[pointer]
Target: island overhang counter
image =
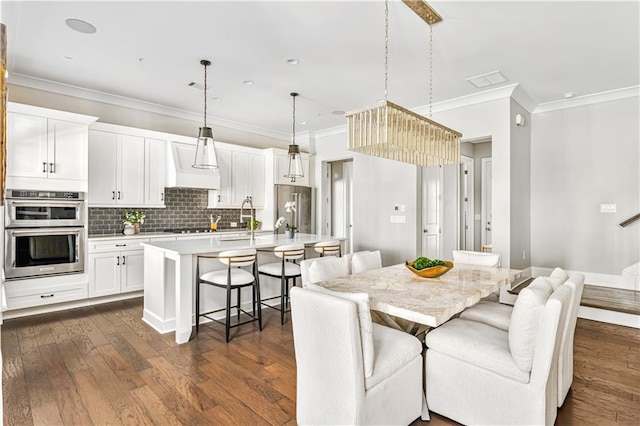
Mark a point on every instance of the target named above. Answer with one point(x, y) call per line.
point(169, 275)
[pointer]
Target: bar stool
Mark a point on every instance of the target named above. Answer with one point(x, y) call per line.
point(231, 278)
point(285, 270)
point(328, 248)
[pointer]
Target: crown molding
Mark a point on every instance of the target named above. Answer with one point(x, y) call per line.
point(595, 98)
point(467, 100)
point(122, 101)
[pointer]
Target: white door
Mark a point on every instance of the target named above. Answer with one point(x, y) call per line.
point(154, 156)
point(486, 201)
point(102, 167)
point(432, 178)
point(347, 175)
point(130, 160)
point(67, 150)
point(27, 146)
point(466, 203)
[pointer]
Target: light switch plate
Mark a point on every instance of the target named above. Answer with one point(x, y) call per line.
point(398, 219)
point(608, 208)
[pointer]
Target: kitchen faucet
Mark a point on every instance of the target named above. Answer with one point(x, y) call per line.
point(251, 218)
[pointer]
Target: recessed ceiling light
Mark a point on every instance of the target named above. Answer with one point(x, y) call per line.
point(293, 61)
point(69, 58)
point(380, 101)
point(80, 26)
point(216, 99)
point(569, 95)
point(302, 122)
point(337, 112)
point(248, 82)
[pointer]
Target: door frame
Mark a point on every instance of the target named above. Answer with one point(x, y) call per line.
point(470, 210)
point(484, 207)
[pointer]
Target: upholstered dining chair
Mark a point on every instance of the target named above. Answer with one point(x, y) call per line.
point(361, 262)
point(501, 377)
point(234, 277)
point(286, 269)
point(349, 370)
point(323, 269)
point(499, 315)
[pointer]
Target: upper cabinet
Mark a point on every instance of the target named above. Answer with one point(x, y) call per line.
point(116, 169)
point(46, 149)
point(125, 168)
point(242, 175)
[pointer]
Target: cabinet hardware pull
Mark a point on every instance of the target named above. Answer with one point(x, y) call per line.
point(44, 296)
point(218, 198)
point(162, 196)
point(52, 168)
point(118, 264)
point(44, 167)
point(113, 195)
point(123, 260)
point(121, 245)
point(118, 195)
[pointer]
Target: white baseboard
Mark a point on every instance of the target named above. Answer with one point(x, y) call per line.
point(611, 317)
point(70, 305)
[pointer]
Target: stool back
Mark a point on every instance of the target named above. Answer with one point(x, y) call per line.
point(289, 251)
point(238, 258)
point(328, 248)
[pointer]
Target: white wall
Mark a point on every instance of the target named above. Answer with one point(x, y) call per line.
point(520, 188)
point(582, 157)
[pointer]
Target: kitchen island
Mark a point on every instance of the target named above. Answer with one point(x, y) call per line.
point(169, 276)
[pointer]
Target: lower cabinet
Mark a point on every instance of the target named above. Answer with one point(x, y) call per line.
point(116, 266)
point(115, 272)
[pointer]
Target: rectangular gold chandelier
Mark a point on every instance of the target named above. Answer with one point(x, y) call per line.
point(390, 131)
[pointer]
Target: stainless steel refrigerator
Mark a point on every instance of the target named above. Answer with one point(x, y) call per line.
point(301, 218)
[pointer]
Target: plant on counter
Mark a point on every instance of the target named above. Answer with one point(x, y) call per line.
point(253, 224)
point(283, 222)
point(131, 217)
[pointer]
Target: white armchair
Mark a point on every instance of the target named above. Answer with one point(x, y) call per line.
point(479, 374)
point(323, 269)
point(332, 384)
point(364, 261)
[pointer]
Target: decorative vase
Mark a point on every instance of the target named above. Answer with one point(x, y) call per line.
point(129, 229)
point(136, 227)
point(289, 233)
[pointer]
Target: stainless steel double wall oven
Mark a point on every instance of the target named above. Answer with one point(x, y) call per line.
point(44, 233)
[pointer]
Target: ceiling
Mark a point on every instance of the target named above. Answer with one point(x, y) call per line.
point(150, 51)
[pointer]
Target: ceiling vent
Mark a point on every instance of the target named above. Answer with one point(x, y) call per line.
point(488, 79)
point(198, 86)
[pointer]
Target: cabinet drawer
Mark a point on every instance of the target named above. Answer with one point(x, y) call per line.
point(116, 245)
point(45, 296)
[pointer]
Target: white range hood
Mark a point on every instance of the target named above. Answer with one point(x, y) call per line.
point(180, 174)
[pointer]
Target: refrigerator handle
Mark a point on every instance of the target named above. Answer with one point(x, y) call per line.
point(296, 199)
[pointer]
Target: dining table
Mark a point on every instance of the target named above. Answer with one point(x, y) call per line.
point(414, 304)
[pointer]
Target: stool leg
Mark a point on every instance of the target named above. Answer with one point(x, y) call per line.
point(282, 298)
point(239, 290)
point(197, 304)
point(258, 300)
point(228, 314)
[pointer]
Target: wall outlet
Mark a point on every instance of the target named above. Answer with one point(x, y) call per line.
point(398, 219)
point(608, 208)
point(234, 224)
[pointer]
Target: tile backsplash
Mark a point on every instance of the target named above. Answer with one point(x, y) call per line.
point(185, 208)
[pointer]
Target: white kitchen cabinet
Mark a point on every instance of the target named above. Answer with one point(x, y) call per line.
point(154, 172)
point(41, 147)
point(116, 169)
point(241, 176)
point(281, 168)
point(115, 266)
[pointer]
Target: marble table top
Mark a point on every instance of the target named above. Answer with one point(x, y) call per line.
point(396, 291)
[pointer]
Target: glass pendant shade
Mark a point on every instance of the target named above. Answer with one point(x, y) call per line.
point(206, 157)
point(295, 163)
point(295, 169)
point(205, 150)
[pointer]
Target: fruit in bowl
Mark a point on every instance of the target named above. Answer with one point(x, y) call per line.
point(429, 268)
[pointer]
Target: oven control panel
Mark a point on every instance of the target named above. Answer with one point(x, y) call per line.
point(47, 195)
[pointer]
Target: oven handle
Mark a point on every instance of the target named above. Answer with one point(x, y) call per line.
point(44, 231)
point(38, 203)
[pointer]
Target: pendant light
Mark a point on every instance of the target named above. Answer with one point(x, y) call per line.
point(390, 131)
point(295, 161)
point(205, 150)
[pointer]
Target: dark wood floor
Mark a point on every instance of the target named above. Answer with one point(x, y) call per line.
point(102, 365)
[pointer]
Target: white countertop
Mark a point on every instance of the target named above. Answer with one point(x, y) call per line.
point(218, 234)
point(216, 244)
